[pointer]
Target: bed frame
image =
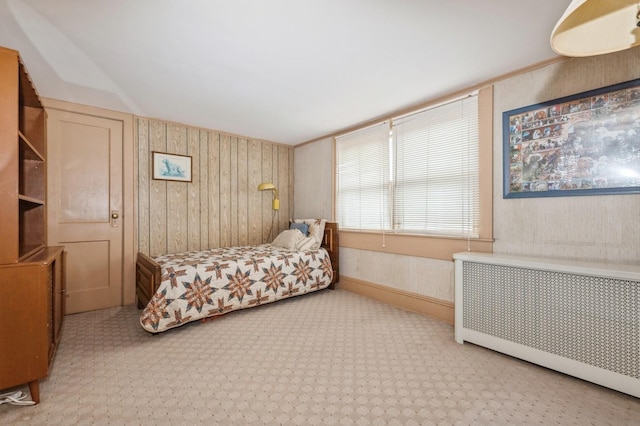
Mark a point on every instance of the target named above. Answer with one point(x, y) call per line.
point(148, 271)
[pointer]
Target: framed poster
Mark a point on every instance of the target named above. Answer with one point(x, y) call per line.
point(171, 166)
point(584, 144)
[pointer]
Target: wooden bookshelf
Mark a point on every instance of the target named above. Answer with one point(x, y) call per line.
point(32, 281)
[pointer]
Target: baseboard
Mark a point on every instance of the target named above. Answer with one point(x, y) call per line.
point(429, 306)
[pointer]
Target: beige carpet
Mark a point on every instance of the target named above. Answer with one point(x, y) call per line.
point(331, 358)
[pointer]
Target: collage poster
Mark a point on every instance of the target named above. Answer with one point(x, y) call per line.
point(580, 145)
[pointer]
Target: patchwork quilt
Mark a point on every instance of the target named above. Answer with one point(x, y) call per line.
point(203, 284)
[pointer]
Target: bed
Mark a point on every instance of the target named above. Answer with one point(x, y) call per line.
point(176, 289)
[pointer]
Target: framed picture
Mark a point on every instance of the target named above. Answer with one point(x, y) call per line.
point(585, 144)
point(171, 167)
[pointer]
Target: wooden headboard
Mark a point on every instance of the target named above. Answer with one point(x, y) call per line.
point(330, 242)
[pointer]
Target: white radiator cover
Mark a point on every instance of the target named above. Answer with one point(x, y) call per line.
point(581, 319)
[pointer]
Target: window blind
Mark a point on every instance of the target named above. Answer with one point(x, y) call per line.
point(363, 175)
point(436, 187)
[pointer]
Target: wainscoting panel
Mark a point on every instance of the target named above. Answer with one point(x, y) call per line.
point(222, 205)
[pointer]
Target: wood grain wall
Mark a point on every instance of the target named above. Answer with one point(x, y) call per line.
point(222, 205)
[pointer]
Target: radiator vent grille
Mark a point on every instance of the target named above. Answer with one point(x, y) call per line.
point(591, 319)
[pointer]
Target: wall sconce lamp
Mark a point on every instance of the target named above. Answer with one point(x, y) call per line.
point(270, 186)
point(596, 27)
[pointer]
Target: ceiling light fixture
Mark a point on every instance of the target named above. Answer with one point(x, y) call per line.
point(596, 27)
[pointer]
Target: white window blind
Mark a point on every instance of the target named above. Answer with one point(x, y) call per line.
point(436, 189)
point(363, 176)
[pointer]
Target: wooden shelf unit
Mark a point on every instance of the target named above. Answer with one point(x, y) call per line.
point(23, 171)
point(32, 283)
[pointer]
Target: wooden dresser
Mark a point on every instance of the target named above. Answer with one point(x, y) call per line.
point(31, 274)
point(31, 312)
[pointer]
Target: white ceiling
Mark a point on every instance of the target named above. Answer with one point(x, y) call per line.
point(286, 71)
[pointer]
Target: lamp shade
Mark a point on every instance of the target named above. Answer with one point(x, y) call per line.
point(595, 27)
point(270, 186)
point(265, 186)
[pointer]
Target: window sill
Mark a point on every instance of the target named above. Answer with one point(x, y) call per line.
point(433, 247)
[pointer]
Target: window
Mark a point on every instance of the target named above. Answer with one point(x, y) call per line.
point(416, 174)
point(363, 179)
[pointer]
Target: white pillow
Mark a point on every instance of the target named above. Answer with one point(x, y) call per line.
point(288, 239)
point(316, 229)
point(305, 243)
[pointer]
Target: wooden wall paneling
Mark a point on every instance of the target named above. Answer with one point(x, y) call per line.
point(222, 205)
point(157, 193)
point(275, 221)
point(144, 176)
point(224, 195)
point(243, 192)
point(233, 189)
point(193, 192)
point(254, 205)
point(267, 196)
point(283, 187)
point(177, 220)
point(291, 184)
point(203, 176)
point(214, 190)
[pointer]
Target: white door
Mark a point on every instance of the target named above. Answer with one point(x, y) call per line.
point(84, 206)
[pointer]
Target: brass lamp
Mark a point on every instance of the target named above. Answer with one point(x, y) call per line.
point(269, 186)
point(596, 27)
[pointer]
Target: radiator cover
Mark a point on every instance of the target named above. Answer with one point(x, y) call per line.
point(578, 318)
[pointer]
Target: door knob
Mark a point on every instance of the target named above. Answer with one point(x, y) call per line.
point(114, 215)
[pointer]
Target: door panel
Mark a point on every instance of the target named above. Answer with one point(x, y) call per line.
point(85, 201)
point(84, 174)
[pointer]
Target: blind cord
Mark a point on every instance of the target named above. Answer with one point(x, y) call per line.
point(469, 192)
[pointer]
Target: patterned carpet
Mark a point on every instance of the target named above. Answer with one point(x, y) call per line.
point(328, 358)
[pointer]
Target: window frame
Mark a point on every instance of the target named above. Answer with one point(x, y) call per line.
point(440, 246)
